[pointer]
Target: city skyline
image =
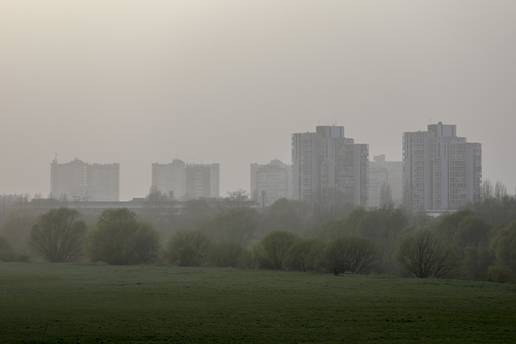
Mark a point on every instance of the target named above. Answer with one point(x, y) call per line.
point(441, 171)
point(128, 178)
point(335, 130)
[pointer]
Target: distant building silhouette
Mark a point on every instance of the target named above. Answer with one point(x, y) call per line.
point(7, 202)
point(79, 181)
point(270, 182)
point(202, 181)
point(186, 181)
point(384, 176)
point(329, 170)
point(440, 170)
point(170, 179)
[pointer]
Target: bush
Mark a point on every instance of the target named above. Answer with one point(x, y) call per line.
point(305, 255)
point(17, 228)
point(237, 225)
point(188, 248)
point(475, 263)
point(472, 232)
point(274, 249)
point(424, 255)
point(258, 258)
point(500, 274)
point(59, 236)
point(355, 255)
point(226, 254)
point(504, 247)
point(121, 240)
point(6, 252)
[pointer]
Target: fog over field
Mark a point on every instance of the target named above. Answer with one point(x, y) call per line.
point(229, 81)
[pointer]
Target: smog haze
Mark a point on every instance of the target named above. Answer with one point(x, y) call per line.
point(229, 81)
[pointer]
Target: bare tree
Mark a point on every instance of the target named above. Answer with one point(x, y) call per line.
point(59, 235)
point(355, 255)
point(487, 190)
point(157, 196)
point(500, 191)
point(276, 246)
point(237, 198)
point(238, 195)
point(424, 255)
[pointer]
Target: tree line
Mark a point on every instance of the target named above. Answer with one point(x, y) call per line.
point(477, 243)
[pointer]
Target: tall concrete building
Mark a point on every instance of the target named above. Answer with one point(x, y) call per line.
point(186, 181)
point(79, 181)
point(329, 170)
point(170, 179)
point(441, 171)
point(270, 182)
point(202, 181)
point(385, 182)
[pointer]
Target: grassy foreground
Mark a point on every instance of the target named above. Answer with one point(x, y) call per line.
point(102, 304)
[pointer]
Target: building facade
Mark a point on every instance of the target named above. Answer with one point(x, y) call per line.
point(170, 179)
point(328, 169)
point(80, 181)
point(385, 182)
point(202, 181)
point(182, 181)
point(270, 182)
point(441, 171)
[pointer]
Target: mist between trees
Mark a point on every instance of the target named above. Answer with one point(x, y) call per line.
point(477, 243)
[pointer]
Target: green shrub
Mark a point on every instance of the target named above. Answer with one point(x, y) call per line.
point(275, 248)
point(500, 274)
point(188, 248)
point(305, 255)
point(504, 247)
point(352, 254)
point(6, 252)
point(121, 240)
point(59, 235)
point(226, 254)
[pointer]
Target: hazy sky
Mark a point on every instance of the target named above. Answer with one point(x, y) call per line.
point(229, 80)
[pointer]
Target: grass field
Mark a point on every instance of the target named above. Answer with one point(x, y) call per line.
point(102, 304)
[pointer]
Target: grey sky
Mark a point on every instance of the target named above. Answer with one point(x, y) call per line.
point(229, 80)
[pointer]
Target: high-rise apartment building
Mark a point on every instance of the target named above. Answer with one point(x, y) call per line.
point(384, 182)
point(79, 181)
point(441, 171)
point(270, 182)
point(170, 179)
point(183, 181)
point(202, 181)
point(329, 170)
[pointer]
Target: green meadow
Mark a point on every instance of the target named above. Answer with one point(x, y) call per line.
point(70, 303)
